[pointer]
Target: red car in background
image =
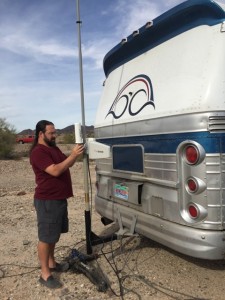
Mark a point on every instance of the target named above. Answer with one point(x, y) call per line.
point(25, 139)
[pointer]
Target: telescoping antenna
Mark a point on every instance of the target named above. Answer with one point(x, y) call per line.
point(78, 261)
point(85, 157)
point(98, 150)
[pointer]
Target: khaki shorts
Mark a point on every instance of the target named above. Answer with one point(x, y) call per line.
point(52, 218)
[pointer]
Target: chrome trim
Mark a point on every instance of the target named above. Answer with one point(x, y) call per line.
point(216, 123)
point(212, 122)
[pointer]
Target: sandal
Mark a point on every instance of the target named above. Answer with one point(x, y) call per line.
point(51, 282)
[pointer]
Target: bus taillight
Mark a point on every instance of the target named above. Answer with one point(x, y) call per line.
point(192, 185)
point(193, 211)
point(191, 154)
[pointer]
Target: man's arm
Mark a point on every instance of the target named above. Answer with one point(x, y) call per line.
point(57, 169)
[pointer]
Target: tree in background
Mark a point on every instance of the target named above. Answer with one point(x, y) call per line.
point(7, 139)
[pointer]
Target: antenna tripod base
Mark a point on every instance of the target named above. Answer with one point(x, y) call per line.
point(86, 264)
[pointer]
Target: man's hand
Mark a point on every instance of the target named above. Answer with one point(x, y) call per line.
point(77, 150)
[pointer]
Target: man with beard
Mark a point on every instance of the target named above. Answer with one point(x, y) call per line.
point(54, 186)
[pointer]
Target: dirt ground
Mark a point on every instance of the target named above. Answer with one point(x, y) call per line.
point(132, 268)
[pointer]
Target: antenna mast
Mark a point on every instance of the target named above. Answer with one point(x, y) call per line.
point(85, 156)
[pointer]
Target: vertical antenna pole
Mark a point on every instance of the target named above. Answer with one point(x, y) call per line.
point(85, 157)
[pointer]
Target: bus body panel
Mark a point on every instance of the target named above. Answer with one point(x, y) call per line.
point(162, 112)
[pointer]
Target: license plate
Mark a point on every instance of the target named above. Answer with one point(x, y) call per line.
point(121, 191)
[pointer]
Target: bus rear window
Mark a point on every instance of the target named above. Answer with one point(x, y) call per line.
point(128, 158)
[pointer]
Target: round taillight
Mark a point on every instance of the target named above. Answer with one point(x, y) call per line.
point(191, 154)
point(192, 185)
point(193, 211)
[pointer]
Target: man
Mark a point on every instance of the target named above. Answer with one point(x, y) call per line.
point(54, 186)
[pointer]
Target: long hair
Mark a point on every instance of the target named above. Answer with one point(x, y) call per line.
point(41, 126)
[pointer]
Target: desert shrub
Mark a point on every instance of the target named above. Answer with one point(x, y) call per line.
point(7, 139)
point(68, 138)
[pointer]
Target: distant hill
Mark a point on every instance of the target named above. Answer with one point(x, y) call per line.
point(66, 130)
point(70, 129)
point(26, 132)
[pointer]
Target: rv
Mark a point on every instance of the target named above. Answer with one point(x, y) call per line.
point(162, 114)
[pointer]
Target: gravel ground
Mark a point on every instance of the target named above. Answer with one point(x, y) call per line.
point(133, 267)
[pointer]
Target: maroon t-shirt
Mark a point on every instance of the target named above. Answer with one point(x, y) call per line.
point(50, 187)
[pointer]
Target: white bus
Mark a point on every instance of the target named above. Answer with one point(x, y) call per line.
point(162, 112)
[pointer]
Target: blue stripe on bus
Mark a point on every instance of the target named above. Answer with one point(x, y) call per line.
point(168, 143)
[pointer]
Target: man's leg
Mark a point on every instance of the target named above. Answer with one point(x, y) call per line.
point(51, 260)
point(46, 278)
point(43, 254)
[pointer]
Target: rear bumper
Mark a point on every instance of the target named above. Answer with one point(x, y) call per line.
point(205, 244)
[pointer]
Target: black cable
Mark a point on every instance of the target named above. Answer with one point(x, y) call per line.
point(159, 288)
point(16, 265)
point(114, 269)
point(127, 257)
point(156, 288)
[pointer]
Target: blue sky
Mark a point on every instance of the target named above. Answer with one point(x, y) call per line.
point(39, 64)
